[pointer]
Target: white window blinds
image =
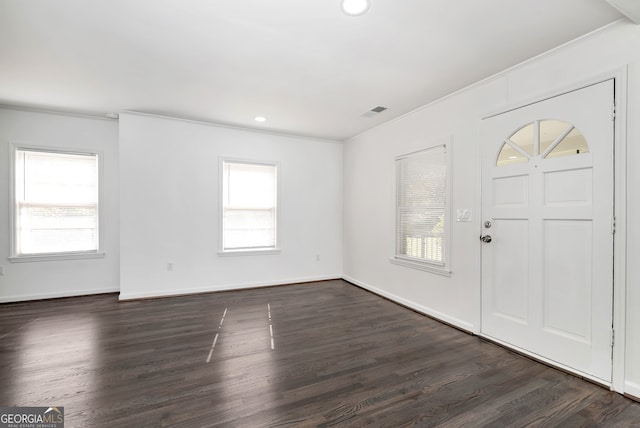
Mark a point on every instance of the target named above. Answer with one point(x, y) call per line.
point(249, 198)
point(421, 205)
point(56, 202)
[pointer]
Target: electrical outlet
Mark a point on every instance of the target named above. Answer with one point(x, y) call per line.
point(169, 266)
point(317, 257)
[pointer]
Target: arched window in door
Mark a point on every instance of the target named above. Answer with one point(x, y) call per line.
point(549, 138)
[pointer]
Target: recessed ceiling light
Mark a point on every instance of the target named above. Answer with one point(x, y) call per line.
point(354, 7)
point(260, 119)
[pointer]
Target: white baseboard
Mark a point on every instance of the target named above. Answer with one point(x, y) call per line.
point(463, 325)
point(224, 287)
point(632, 388)
point(57, 294)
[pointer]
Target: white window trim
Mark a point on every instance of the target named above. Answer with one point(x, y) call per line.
point(420, 265)
point(424, 265)
point(247, 251)
point(256, 252)
point(69, 255)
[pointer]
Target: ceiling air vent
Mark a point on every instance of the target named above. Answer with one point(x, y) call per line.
point(374, 111)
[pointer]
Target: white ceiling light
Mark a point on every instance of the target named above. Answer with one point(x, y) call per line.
point(355, 7)
point(260, 119)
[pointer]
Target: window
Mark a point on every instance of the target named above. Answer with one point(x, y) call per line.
point(544, 138)
point(249, 206)
point(55, 204)
point(422, 210)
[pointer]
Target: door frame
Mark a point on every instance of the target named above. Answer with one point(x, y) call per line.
point(619, 76)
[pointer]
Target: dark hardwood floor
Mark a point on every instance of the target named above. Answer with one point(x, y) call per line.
point(319, 354)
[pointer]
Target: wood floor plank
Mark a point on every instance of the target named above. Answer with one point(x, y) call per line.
point(318, 354)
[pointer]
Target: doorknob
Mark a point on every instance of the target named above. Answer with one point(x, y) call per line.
point(485, 238)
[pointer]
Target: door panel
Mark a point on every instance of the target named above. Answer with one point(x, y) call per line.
point(564, 188)
point(547, 191)
point(511, 191)
point(567, 278)
point(511, 265)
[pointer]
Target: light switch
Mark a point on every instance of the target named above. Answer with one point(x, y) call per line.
point(463, 214)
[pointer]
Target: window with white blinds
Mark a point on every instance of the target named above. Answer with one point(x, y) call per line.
point(55, 203)
point(249, 206)
point(422, 211)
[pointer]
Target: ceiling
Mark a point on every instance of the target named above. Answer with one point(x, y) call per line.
point(307, 67)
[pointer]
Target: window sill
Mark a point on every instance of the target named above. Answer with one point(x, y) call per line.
point(258, 252)
point(52, 257)
point(427, 267)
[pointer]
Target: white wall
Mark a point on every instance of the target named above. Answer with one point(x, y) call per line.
point(369, 207)
point(170, 208)
point(369, 181)
point(45, 279)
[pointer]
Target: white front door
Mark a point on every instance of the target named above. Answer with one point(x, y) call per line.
point(547, 210)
